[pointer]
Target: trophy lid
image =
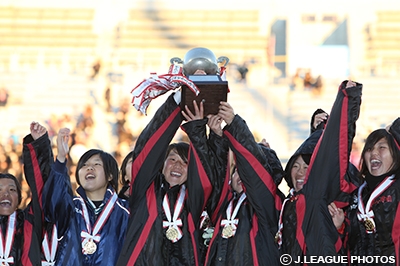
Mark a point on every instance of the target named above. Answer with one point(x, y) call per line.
point(200, 59)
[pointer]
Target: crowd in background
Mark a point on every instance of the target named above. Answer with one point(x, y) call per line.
point(82, 128)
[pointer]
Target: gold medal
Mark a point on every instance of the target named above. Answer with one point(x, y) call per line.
point(90, 247)
point(227, 231)
point(369, 225)
point(172, 233)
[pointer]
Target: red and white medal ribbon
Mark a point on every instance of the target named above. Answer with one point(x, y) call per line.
point(278, 236)
point(5, 258)
point(157, 85)
point(90, 235)
point(230, 215)
point(366, 213)
point(50, 248)
point(173, 221)
point(204, 216)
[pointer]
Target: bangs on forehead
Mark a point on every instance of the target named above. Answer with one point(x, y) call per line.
point(95, 158)
point(9, 183)
point(181, 148)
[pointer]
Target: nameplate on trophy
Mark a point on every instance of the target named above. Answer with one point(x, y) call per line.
point(213, 90)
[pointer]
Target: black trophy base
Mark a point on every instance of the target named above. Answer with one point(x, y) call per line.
point(212, 91)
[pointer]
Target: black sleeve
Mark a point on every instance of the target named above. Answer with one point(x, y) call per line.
point(37, 161)
point(151, 147)
point(255, 171)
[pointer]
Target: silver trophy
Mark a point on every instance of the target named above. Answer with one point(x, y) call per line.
point(212, 88)
point(201, 59)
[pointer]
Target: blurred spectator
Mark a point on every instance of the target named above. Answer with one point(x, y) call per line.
point(308, 81)
point(317, 86)
point(303, 80)
point(243, 70)
point(85, 120)
point(96, 68)
point(124, 133)
point(3, 96)
point(297, 81)
point(107, 98)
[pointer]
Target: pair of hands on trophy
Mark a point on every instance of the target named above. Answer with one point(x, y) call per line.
point(225, 113)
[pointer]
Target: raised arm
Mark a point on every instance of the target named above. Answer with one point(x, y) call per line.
point(152, 144)
point(202, 166)
point(254, 167)
point(57, 193)
point(328, 170)
point(37, 158)
point(328, 176)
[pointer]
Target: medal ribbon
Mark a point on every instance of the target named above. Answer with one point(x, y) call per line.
point(94, 236)
point(204, 216)
point(50, 252)
point(366, 213)
point(174, 222)
point(280, 222)
point(230, 216)
point(5, 258)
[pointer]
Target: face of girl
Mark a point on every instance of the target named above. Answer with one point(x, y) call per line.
point(8, 196)
point(93, 179)
point(175, 169)
point(236, 182)
point(298, 173)
point(378, 159)
point(128, 175)
point(128, 170)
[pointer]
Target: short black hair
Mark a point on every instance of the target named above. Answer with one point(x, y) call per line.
point(17, 184)
point(109, 163)
point(182, 148)
point(371, 140)
point(129, 156)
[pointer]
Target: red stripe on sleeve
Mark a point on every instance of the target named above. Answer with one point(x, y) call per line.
point(253, 234)
point(259, 168)
point(152, 207)
point(224, 195)
point(300, 211)
point(205, 181)
point(192, 229)
point(25, 260)
point(138, 162)
point(37, 173)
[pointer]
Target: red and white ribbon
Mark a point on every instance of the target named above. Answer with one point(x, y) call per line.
point(157, 85)
point(5, 258)
point(50, 247)
point(90, 235)
point(231, 215)
point(204, 216)
point(280, 222)
point(173, 220)
point(366, 213)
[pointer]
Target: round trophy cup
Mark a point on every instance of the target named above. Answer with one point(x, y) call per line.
point(200, 59)
point(212, 88)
